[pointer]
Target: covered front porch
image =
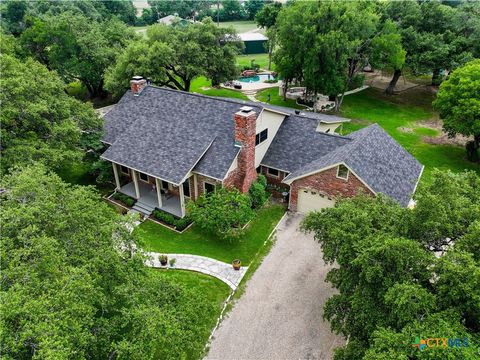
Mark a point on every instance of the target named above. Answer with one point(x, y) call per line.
point(152, 192)
point(148, 195)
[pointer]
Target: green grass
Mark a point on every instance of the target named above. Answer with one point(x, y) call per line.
point(276, 99)
point(240, 26)
point(424, 131)
point(214, 290)
point(394, 113)
point(260, 59)
point(202, 82)
point(194, 241)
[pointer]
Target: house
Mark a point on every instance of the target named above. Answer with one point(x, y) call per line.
point(173, 20)
point(255, 43)
point(169, 146)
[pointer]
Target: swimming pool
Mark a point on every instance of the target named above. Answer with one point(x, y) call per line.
point(256, 78)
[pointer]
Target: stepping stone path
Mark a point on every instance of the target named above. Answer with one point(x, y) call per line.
point(205, 265)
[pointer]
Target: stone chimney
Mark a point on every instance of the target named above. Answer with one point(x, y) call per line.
point(137, 84)
point(245, 130)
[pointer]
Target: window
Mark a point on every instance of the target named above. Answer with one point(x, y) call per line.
point(164, 185)
point(124, 170)
point(261, 136)
point(143, 177)
point(186, 188)
point(342, 172)
point(209, 188)
point(272, 172)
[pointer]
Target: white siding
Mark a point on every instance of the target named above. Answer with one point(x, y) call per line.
point(271, 121)
point(323, 127)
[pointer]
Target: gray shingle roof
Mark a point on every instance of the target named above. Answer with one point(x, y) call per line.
point(297, 144)
point(377, 159)
point(165, 133)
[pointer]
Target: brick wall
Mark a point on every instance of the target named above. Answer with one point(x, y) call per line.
point(327, 183)
point(245, 130)
point(200, 180)
point(275, 181)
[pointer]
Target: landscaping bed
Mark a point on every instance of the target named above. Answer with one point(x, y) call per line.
point(171, 221)
point(194, 241)
point(122, 199)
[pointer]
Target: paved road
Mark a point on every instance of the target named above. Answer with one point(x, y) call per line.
point(280, 314)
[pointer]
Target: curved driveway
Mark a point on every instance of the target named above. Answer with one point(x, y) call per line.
point(280, 314)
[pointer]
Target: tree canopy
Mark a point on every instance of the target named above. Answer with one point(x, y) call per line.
point(76, 47)
point(17, 13)
point(391, 287)
point(223, 212)
point(324, 44)
point(435, 36)
point(40, 122)
point(174, 56)
point(458, 102)
point(73, 288)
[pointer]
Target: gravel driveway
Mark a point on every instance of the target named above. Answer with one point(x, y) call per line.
point(280, 314)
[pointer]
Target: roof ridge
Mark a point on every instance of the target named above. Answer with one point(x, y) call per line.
point(229, 100)
point(259, 104)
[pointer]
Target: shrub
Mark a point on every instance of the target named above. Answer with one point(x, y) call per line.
point(169, 219)
point(181, 224)
point(125, 199)
point(271, 81)
point(223, 212)
point(257, 192)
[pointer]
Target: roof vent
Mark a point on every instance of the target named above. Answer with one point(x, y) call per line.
point(246, 109)
point(297, 112)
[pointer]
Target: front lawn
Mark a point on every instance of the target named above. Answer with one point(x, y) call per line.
point(276, 99)
point(202, 85)
point(195, 241)
point(213, 291)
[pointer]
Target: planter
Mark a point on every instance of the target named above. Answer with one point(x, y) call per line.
point(163, 260)
point(237, 264)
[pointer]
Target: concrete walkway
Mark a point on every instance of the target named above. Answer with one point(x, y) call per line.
point(205, 265)
point(280, 314)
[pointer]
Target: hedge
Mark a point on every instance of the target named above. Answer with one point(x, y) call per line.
point(169, 219)
point(127, 200)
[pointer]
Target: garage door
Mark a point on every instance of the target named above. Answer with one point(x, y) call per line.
point(310, 200)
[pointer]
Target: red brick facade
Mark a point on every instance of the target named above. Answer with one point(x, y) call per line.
point(328, 183)
point(200, 184)
point(245, 173)
point(276, 186)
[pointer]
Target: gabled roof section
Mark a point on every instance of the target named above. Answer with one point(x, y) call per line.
point(297, 144)
point(382, 163)
point(167, 133)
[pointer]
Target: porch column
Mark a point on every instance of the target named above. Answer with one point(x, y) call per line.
point(117, 178)
point(182, 199)
point(135, 182)
point(159, 192)
point(195, 189)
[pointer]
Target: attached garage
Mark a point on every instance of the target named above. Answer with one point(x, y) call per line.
point(311, 200)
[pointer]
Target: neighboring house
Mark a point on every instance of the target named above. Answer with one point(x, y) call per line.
point(255, 43)
point(168, 146)
point(170, 20)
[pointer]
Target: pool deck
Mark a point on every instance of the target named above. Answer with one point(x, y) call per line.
point(254, 86)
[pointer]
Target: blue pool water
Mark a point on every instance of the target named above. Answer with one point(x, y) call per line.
point(257, 78)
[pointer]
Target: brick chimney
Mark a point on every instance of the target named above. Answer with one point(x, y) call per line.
point(137, 84)
point(245, 129)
